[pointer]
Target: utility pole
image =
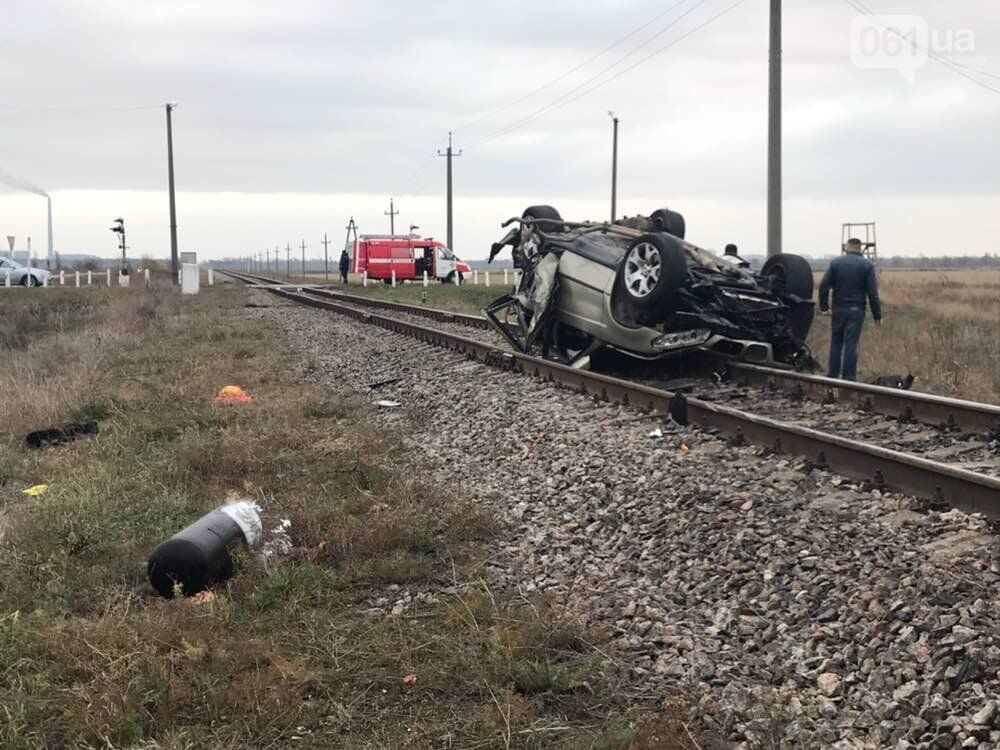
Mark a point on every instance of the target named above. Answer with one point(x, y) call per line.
point(288, 260)
point(351, 227)
point(303, 259)
point(326, 257)
point(614, 166)
point(267, 259)
point(392, 214)
point(449, 154)
point(170, 187)
point(774, 197)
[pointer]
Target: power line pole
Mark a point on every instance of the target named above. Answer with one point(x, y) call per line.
point(267, 260)
point(303, 259)
point(288, 260)
point(352, 227)
point(449, 154)
point(392, 214)
point(170, 186)
point(774, 197)
point(326, 257)
point(614, 167)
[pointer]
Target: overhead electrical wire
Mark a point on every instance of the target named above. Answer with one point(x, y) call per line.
point(621, 40)
point(574, 69)
point(576, 93)
point(555, 103)
point(72, 110)
point(962, 70)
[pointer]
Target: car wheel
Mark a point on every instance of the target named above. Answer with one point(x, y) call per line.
point(545, 212)
point(651, 273)
point(791, 275)
point(29, 280)
point(669, 221)
point(450, 278)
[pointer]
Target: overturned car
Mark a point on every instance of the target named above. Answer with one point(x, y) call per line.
point(636, 286)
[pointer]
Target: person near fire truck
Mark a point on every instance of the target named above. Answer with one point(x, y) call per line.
point(345, 265)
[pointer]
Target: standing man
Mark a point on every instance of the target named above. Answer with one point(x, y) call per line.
point(345, 265)
point(852, 279)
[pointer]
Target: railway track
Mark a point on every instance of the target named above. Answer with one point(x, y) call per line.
point(925, 408)
point(880, 467)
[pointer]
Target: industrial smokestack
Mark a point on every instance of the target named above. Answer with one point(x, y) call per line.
point(19, 184)
point(48, 260)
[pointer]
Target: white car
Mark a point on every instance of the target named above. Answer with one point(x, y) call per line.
point(20, 274)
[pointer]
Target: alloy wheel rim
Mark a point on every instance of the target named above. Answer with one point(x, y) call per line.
point(642, 269)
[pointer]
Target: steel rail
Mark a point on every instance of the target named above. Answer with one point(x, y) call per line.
point(880, 467)
point(952, 413)
point(926, 408)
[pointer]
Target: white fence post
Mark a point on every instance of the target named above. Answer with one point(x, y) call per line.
point(475, 277)
point(393, 278)
point(486, 277)
point(364, 279)
point(7, 280)
point(78, 279)
point(505, 277)
point(108, 272)
point(456, 274)
point(211, 278)
point(146, 275)
point(62, 278)
point(90, 277)
point(425, 278)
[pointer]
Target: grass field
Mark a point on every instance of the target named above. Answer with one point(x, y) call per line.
point(289, 652)
point(941, 326)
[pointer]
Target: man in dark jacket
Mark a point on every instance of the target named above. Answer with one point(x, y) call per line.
point(852, 279)
point(345, 265)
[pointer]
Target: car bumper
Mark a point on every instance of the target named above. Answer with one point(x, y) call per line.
point(755, 352)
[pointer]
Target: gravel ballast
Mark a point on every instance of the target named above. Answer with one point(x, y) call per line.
point(790, 606)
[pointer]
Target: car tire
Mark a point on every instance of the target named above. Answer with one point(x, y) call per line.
point(450, 278)
point(669, 221)
point(791, 275)
point(29, 281)
point(545, 212)
point(651, 273)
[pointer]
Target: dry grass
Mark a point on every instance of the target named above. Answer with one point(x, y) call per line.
point(289, 652)
point(941, 326)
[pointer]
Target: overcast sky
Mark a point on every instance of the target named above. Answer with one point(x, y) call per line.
point(295, 115)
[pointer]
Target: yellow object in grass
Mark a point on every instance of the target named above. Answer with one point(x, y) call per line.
point(37, 490)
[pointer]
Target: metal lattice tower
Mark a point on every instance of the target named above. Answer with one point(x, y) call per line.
point(864, 231)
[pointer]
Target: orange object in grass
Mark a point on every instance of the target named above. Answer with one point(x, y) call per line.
point(233, 394)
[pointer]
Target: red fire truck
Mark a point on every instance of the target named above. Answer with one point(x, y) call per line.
point(408, 255)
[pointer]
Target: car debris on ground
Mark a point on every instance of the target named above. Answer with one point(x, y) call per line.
point(233, 394)
point(200, 555)
point(60, 435)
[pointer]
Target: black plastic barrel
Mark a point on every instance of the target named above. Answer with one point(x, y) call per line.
point(201, 555)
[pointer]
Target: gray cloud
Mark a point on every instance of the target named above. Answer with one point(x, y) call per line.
point(353, 97)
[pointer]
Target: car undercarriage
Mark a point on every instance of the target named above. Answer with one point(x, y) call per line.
point(638, 287)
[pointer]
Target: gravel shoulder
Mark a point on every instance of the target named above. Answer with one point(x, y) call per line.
point(792, 607)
